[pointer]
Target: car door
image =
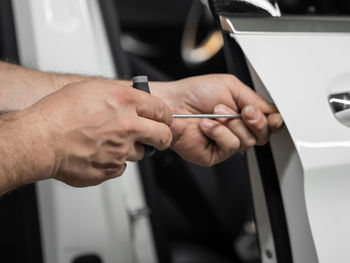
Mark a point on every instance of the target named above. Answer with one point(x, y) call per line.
point(300, 181)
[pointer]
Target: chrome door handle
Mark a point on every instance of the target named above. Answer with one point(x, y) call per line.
point(340, 105)
point(339, 102)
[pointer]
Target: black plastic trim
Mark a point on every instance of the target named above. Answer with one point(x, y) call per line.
point(121, 62)
point(237, 65)
point(152, 197)
point(274, 202)
point(8, 43)
point(111, 21)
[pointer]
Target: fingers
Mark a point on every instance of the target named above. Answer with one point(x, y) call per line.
point(137, 152)
point(252, 129)
point(153, 133)
point(109, 173)
point(236, 126)
point(243, 95)
point(151, 107)
point(104, 174)
point(92, 175)
point(260, 125)
point(275, 122)
point(226, 142)
point(256, 122)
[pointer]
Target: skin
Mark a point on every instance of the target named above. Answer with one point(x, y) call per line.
point(54, 138)
point(207, 142)
point(82, 130)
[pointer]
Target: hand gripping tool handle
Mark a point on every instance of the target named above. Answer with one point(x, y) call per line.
point(141, 83)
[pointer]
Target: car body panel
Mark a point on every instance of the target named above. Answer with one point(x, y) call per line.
point(300, 70)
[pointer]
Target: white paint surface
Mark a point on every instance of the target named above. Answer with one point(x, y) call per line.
point(300, 71)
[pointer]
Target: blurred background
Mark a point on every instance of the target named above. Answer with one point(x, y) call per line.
point(199, 215)
point(160, 27)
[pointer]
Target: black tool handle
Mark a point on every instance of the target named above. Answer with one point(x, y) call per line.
point(141, 83)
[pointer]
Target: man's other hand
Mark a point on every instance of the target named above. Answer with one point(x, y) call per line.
point(94, 127)
point(207, 142)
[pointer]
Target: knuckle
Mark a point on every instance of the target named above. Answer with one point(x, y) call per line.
point(118, 162)
point(250, 143)
point(234, 145)
point(205, 160)
point(110, 173)
point(124, 96)
point(261, 126)
point(128, 127)
point(122, 154)
point(165, 140)
point(163, 113)
point(119, 172)
point(160, 111)
point(114, 174)
point(213, 131)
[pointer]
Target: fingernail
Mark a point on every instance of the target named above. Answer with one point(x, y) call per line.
point(279, 122)
point(251, 112)
point(221, 109)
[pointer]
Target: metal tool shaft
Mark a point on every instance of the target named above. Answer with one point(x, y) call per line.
point(208, 116)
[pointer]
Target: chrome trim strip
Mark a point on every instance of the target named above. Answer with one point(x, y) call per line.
point(271, 8)
point(285, 24)
point(248, 7)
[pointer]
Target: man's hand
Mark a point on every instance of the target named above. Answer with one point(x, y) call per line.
point(207, 142)
point(90, 129)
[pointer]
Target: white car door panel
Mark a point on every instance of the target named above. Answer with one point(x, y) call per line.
point(301, 64)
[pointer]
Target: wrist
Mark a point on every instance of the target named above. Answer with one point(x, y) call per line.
point(26, 155)
point(60, 80)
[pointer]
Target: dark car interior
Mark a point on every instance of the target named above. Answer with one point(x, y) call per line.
point(198, 215)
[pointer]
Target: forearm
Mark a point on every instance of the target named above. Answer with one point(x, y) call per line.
point(21, 87)
point(24, 155)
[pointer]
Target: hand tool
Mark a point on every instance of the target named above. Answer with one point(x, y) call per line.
point(141, 83)
point(208, 116)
